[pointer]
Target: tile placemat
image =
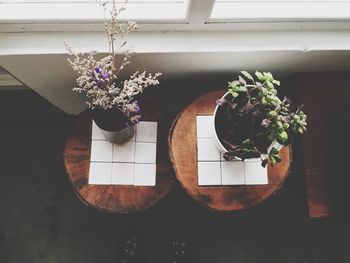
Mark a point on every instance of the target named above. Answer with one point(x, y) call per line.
point(214, 170)
point(131, 163)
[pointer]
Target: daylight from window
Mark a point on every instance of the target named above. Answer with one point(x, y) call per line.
point(173, 15)
point(280, 10)
point(85, 10)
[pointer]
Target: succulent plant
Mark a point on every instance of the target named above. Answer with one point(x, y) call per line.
point(254, 117)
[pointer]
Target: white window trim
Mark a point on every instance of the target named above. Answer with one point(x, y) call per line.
point(280, 10)
point(197, 19)
point(195, 35)
point(68, 12)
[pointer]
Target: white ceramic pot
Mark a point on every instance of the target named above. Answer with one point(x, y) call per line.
point(218, 145)
point(215, 139)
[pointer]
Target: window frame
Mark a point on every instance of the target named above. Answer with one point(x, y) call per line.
point(280, 11)
point(197, 19)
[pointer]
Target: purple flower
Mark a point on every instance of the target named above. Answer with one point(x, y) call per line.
point(136, 107)
point(99, 82)
point(105, 75)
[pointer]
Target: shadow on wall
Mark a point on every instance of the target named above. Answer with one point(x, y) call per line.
point(51, 77)
point(175, 93)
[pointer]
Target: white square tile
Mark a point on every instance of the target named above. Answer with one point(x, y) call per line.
point(123, 173)
point(100, 173)
point(206, 150)
point(145, 152)
point(145, 175)
point(232, 173)
point(124, 152)
point(204, 126)
point(146, 131)
point(209, 173)
point(255, 173)
point(101, 151)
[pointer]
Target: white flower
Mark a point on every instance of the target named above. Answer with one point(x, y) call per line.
point(98, 79)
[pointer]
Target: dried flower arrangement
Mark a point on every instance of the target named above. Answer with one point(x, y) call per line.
point(99, 79)
point(251, 118)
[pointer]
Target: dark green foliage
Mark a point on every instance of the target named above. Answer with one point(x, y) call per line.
point(255, 117)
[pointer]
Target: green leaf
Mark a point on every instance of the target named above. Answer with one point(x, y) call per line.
point(233, 93)
point(273, 160)
point(270, 85)
point(273, 156)
point(242, 89)
point(234, 84)
point(246, 142)
point(277, 82)
point(280, 126)
point(272, 114)
point(282, 137)
point(264, 101)
point(247, 75)
point(268, 76)
point(273, 151)
point(260, 76)
point(264, 91)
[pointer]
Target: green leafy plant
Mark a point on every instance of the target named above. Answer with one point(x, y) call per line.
point(251, 118)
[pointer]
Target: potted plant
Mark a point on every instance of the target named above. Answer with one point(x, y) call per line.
point(251, 121)
point(115, 109)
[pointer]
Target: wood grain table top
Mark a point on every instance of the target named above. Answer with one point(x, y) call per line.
point(116, 198)
point(183, 153)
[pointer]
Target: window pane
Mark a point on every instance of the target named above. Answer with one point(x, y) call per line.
point(89, 10)
point(280, 10)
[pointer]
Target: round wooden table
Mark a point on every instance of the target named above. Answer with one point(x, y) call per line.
point(183, 153)
point(116, 198)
